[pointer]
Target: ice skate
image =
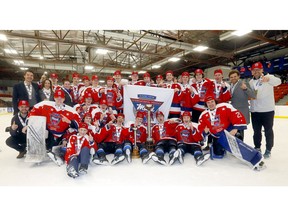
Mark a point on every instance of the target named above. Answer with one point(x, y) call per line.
point(202, 158)
point(159, 159)
point(117, 159)
point(146, 157)
point(128, 155)
point(55, 158)
point(180, 156)
point(83, 169)
point(260, 166)
point(173, 157)
point(101, 160)
point(71, 172)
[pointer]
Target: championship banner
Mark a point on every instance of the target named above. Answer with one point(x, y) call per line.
point(136, 97)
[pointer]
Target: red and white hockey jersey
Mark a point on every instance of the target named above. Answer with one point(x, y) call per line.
point(175, 105)
point(75, 144)
point(113, 133)
point(223, 117)
point(188, 135)
point(82, 109)
point(54, 116)
point(164, 131)
point(188, 98)
point(141, 134)
point(203, 88)
point(110, 95)
point(221, 94)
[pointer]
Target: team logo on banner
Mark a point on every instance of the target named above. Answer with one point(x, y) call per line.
point(143, 99)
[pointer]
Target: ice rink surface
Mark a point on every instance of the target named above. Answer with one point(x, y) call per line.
point(168, 187)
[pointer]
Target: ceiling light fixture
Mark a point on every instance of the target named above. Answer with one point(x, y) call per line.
point(101, 51)
point(88, 67)
point(141, 72)
point(3, 37)
point(174, 59)
point(23, 68)
point(134, 66)
point(240, 33)
point(200, 48)
point(156, 66)
point(10, 51)
point(101, 81)
point(18, 62)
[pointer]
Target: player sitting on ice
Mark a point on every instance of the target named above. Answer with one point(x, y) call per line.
point(79, 150)
point(188, 138)
point(223, 121)
point(141, 137)
point(163, 136)
point(111, 139)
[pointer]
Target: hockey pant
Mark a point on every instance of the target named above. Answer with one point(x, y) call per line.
point(109, 148)
point(167, 145)
point(194, 149)
point(82, 158)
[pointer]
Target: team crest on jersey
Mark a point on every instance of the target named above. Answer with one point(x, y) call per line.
point(216, 121)
point(143, 99)
point(55, 119)
point(185, 135)
point(109, 97)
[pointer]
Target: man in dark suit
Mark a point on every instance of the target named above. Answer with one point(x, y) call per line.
point(25, 90)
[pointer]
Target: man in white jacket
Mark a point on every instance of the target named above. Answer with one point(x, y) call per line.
point(263, 106)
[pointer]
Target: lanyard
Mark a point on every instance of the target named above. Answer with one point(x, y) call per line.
point(24, 123)
point(212, 114)
point(80, 141)
point(29, 90)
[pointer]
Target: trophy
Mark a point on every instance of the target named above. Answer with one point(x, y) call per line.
point(135, 152)
point(149, 141)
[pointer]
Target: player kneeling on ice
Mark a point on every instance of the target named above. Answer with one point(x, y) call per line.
point(111, 139)
point(59, 117)
point(222, 121)
point(79, 149)
point(163, 136)
point(188, 140)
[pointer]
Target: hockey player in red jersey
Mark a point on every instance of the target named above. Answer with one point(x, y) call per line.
point(59, 117)
point(103, 115)
point(175, 110)
point(221, 89)
point(204, 87)
point(188, 138)
point(223, 118)
point(85, 85)
point(163, 135)
point(87, 107)
point(79, 149)
point(111, 94)
point(141, 137)
point(111, 139)
point(189, 95)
